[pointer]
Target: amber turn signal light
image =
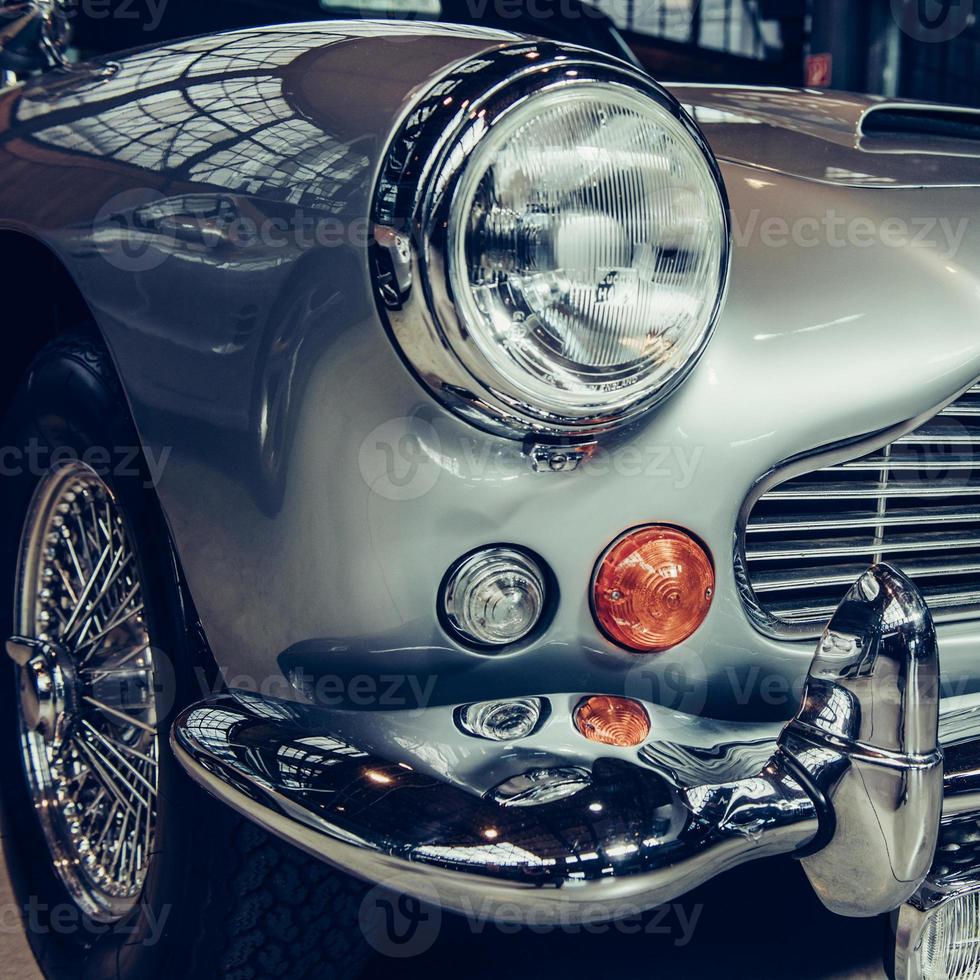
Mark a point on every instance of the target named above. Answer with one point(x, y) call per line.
point(653, 589)
point(612, 721)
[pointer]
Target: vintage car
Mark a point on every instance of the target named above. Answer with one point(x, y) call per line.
point(448, 448)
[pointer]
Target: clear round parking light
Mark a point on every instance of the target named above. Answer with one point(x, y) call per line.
point(494, 597)
point(501, 721)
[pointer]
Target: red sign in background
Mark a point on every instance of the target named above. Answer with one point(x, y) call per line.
point(819, 70)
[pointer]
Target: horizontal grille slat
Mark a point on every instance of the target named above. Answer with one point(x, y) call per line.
point(869, 491)
point(856, 520)
point(876, 465)
point(847, 574)
point(944, 439)
point(846, 547)
point(942, 432)
point(914, 503)
point(938, 601)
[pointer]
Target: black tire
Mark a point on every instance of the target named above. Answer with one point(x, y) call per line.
point(222, 898)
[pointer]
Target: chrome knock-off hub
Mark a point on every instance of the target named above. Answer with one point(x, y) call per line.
point(48, 695)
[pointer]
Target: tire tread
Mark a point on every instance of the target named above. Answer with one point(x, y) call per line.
point(275, 912)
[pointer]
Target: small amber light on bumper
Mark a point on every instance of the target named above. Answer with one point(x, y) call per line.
point(612, 721)
point(653, 589)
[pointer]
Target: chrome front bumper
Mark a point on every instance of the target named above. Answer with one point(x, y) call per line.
point(853, 786)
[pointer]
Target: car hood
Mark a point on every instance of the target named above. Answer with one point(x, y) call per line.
point(837, 137)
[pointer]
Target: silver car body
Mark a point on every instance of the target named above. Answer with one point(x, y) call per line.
point(317, 494)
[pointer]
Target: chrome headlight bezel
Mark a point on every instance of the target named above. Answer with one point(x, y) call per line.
point(413, 205)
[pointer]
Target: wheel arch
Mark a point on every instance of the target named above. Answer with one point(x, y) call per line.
point(42, 303)
point(52, 311)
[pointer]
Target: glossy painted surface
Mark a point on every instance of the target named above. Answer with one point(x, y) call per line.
point(273, 406)
point(822, 135)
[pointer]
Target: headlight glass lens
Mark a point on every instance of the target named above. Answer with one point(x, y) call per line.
point(587, 250)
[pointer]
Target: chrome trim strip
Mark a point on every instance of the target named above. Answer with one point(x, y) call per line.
point(901, 543)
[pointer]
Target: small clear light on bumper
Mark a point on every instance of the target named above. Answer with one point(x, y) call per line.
point(494, 597)
point(501, 721)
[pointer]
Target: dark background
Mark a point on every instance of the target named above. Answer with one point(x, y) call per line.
point(923, 49)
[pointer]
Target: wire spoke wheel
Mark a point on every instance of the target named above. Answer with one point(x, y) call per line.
point(88, 717)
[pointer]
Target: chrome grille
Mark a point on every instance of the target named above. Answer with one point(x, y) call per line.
point(915, 504)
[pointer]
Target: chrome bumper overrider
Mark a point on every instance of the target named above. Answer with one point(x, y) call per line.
point(854, 787)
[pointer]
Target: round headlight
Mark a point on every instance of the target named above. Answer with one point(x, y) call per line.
point(586, 247)
point(568, 231)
